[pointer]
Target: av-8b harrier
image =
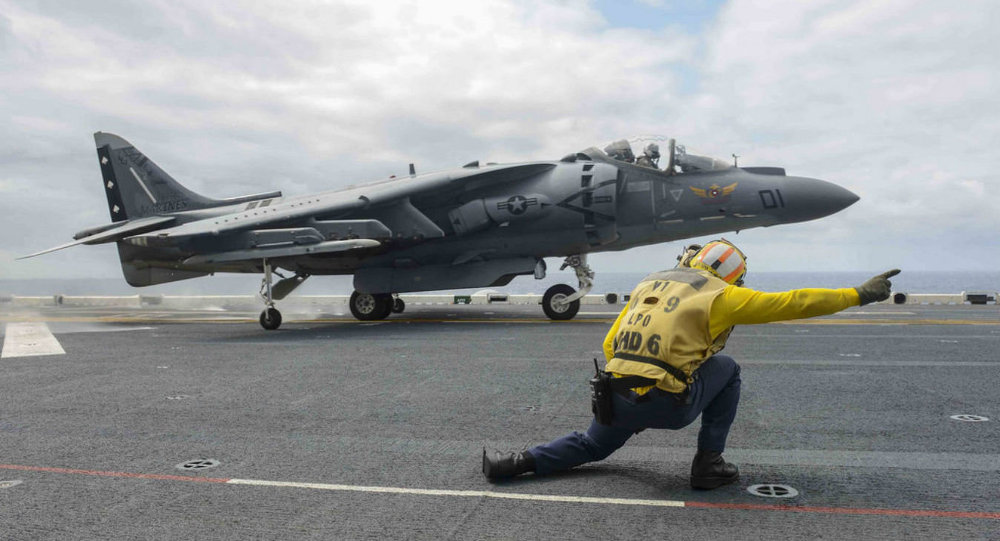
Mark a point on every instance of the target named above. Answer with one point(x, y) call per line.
point(472, 226)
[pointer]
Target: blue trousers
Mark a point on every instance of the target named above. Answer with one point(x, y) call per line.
point(714, 395)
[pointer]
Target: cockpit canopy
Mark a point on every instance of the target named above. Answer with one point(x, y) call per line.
point(660, 153)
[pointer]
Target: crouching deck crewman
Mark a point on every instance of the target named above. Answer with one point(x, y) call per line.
point(664, 367)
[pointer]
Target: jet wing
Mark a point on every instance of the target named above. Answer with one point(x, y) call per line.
point(256, 254)
point(354, 198)
point(114, 233)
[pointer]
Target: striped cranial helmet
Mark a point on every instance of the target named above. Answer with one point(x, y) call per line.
point(723, 259)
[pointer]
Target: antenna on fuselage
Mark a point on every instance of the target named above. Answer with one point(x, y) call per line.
point(736, 160)
point(413, 170)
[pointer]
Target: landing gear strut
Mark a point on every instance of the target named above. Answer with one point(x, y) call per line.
point(562, 302)
point(270, 318)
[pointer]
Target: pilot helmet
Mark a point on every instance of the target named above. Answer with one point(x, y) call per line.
point(652, 150)
point(719, 257)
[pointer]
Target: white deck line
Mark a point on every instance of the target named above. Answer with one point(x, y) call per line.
point(459, 493)
point(29, 340)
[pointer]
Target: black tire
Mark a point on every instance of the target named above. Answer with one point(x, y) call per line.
point(561, 313)
point(270, 319)
point(370, 306)
point(398, 306)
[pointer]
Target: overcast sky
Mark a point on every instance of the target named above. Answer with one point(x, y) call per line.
point(899, 101)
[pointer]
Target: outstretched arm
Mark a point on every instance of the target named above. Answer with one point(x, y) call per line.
point(742, 306)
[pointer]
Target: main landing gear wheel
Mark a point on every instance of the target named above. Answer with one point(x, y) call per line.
point(270, 319)
point(371, 306)
point(554, 303)
point(398, 306)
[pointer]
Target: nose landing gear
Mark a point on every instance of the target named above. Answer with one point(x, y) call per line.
point(554, 303)
point(561, 302)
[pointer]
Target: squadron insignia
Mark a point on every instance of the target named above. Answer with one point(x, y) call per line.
point(714, 193)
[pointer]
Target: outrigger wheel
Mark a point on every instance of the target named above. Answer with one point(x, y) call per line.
point(398, 305)
point(371, 306)
point(554, 303)
point(270, 319)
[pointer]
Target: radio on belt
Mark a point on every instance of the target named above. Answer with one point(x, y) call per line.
point(600, 396)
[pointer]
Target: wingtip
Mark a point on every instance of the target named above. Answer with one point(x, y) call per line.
point(28, 256)
point(50, 250)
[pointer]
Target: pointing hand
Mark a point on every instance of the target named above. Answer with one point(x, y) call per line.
point(876, 288)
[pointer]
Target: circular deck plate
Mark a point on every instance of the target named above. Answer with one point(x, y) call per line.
point(970, 418)
point(773, 491)
point(200, 464)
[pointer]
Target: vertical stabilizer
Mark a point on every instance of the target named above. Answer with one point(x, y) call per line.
point(136, 187)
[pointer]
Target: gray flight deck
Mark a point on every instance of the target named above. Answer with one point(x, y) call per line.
point(329, 428)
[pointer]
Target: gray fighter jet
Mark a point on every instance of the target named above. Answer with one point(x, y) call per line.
point(473, 226)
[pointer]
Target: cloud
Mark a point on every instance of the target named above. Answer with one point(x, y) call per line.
point(234, 98)
point(6, 37)
point(893, 100)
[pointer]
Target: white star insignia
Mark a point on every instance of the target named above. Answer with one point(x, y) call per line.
point(111, 184)
point(104, 160)
point(115, 209)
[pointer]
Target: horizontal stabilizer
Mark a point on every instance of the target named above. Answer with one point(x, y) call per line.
point(256, 254)
point(249, 198)
point(115, 233)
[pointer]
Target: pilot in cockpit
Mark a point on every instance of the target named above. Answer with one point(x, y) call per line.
point(650, 156)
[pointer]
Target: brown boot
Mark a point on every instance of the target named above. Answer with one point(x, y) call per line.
point(497, 465)
point(709, 470)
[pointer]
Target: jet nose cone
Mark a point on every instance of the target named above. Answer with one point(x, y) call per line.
point(817, 198)
point(835, 198)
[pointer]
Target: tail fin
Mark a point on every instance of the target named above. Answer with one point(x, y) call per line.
point(136, 187)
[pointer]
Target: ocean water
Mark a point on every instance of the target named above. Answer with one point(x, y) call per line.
point(605, 282)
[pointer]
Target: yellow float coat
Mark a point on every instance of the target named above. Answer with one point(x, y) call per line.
point(683, 316)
